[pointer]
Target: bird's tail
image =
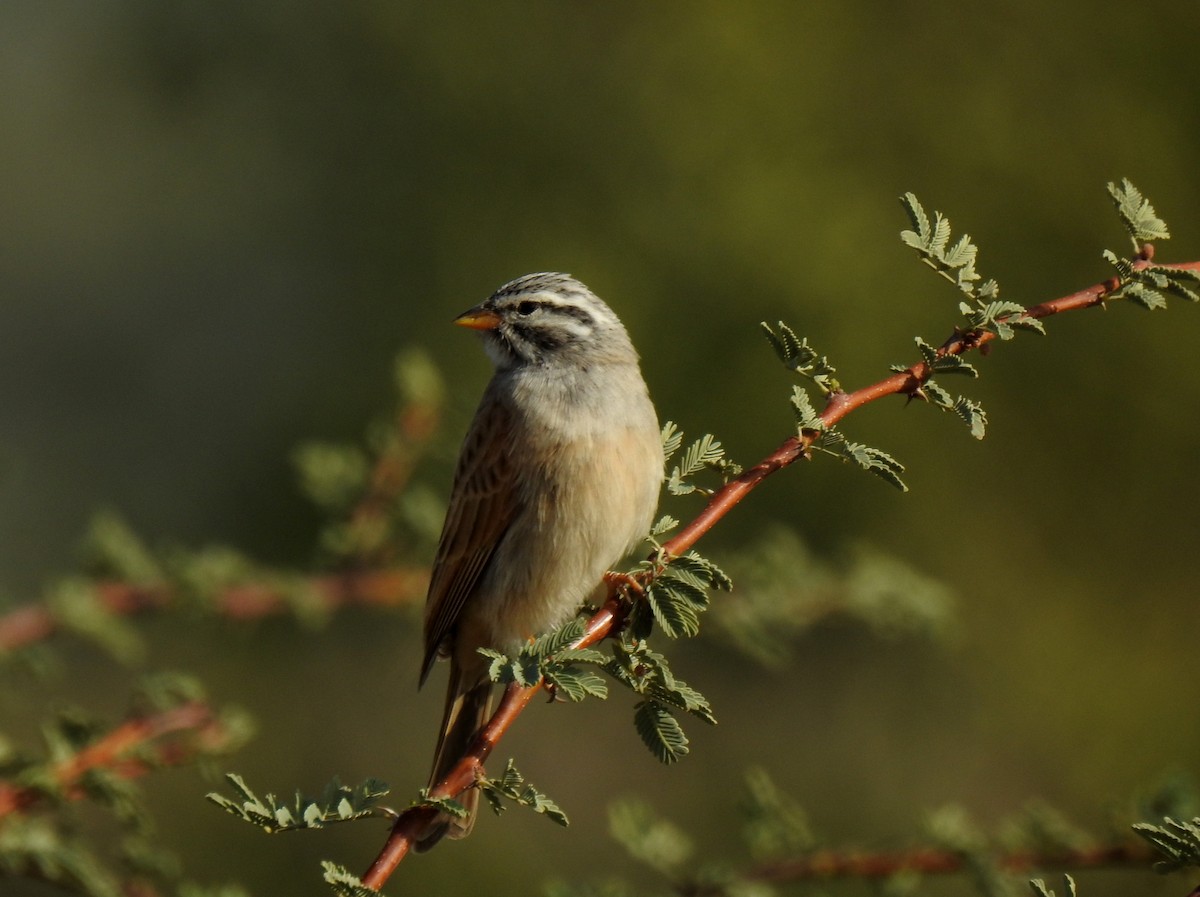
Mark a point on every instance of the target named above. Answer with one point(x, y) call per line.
point(468, 707)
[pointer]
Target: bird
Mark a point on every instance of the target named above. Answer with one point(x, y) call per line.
point(557, 480)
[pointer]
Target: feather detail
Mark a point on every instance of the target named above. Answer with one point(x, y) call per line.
point(482, 507)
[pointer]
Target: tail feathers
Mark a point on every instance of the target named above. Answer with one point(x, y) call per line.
point(468, 707)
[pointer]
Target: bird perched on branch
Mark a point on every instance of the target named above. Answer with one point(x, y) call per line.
point(557, 480)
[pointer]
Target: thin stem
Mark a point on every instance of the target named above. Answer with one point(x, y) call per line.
point(409, 436)
point(833, 865)
point(409, 824)
point(829, 864)
point(128, 751)
point(385, 587)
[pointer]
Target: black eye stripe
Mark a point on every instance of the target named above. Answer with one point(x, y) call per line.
point(527, 307)
point(538, 336)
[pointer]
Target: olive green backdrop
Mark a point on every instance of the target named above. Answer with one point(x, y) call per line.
point(218, 222)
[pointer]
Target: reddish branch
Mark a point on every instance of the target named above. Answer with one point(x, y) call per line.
point(838, 405)
point(374, 582)
point(387, 587)
point(828, 864)
point(413, 428)
point(129, 751)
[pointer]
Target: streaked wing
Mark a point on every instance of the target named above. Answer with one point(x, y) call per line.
point(482, 506)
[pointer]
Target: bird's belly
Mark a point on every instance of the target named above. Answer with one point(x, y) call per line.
point(588, 514)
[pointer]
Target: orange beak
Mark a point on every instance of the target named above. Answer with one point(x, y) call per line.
point(478, 318)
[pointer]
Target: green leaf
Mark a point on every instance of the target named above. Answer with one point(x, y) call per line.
point(1171, 280)
point(114, 550)
point(929, 353)
point(678, 594)
point(683, 586)
point(774, 825)
point(648, 674)
point(799, 357)
point(920, 221)
point(940, 235)
point(446, 805)
point(936, 395)
point(704, 453)
point(676, 617)
point(337, 803)
point(417, 379)
point(947, 363)
point(1147, 298)
point(972, 415)
point(679, 694)
point(523, 669)
point(806, 415)
point(956, 264)
point(77, 607)
point(332, 476)
point(701, 569)
point(1124, 267)
point(870, 459)
point(970, 412)
point(34, 849)
point(984, 311)
point(783, 340)
point(648, 838)
point(1040, 888)
point(344, 883)
point(558, 639)
point(581, 655)
point(551, 657)
point(1136, 214)
point(641, 620)
point(660, 732)
point(672, 439)
point(577, 684)
point(664, 525)
point(1177, 840)
point(512, 786)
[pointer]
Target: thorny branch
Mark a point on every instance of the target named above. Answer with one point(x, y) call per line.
point(383, 587)
point(838, 405)
point(372, 581)
point(132, 749)
point(390, 586)
point(829, 865)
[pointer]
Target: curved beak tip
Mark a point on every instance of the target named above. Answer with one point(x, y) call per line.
point(478, 319)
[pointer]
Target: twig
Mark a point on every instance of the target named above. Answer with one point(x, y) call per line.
point(128, 751)
point(409, 825)
point(387, 587)
point(832, 865)
point(414, 426)
point(372, 582)
point(839, 404)
point(828, 864)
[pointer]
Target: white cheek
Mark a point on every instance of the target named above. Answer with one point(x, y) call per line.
point(496, 351)
point(578, 330)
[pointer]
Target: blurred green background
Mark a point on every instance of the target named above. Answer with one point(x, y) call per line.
point(219, 221)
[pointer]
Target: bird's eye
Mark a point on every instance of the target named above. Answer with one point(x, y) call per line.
point(526, 308)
